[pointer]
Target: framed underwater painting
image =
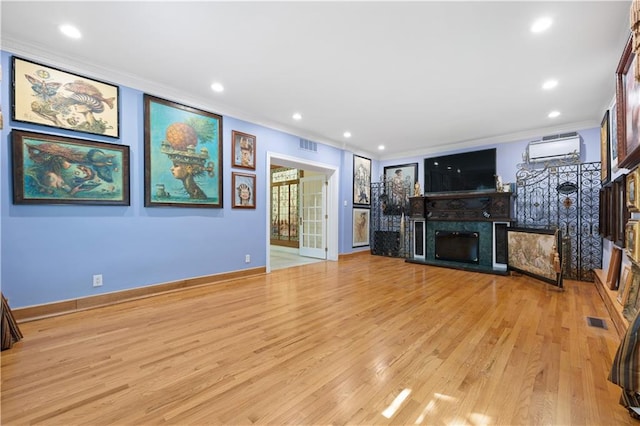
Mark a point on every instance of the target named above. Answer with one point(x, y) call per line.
point(51, 169)
point(182, 155)
point(51, 97)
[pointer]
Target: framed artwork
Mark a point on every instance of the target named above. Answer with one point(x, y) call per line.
point(631, 182)
point(51, 97)
point(361, 181)
point(613, 273)
point(631, 304)
point(399, 184)
point(243, 150)
point(361, 219)
point(631, 246)
point(182, 155)
point(244, 190)
point(531, 251)
point(620, 214)
point(605, 220)
point(51, 169)
point(613, 138)
point(625, 285)
point(605, 170)
point(627, 110)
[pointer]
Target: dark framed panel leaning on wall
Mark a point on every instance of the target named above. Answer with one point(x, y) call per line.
point(621, 212)
point(605, 221)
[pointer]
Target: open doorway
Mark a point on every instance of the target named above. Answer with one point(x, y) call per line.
point(281, 256)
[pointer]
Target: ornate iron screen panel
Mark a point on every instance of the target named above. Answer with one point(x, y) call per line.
point(566, 197)
point(390, 231)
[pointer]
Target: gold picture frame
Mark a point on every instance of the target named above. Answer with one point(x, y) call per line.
point(625, 285)
point(631, 183)
point(632, 248)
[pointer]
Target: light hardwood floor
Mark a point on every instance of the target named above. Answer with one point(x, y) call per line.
point(367, 340)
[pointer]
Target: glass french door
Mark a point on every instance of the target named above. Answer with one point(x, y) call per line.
point(313, 217)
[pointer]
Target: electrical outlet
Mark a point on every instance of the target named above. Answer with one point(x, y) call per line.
point(247, 258)
point(97, 280)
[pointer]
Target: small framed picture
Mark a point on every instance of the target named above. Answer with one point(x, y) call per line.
point(361, 227)
point(625, 285)
point(631, 180)
point(244, 150)
point(244, 194)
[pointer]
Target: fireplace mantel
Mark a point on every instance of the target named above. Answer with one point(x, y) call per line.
point(461, 207)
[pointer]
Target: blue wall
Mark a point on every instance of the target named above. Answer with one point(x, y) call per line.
point(50, 252)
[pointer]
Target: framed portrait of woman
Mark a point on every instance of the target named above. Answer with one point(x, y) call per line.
point(361, 227)
point(182, 155)
point(244, 191)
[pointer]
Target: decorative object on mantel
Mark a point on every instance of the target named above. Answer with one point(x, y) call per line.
point(10, 331)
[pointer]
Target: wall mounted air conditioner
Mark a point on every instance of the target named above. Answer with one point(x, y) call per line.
point(555, 147)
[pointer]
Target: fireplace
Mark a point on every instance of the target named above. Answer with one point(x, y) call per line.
point(457, 246)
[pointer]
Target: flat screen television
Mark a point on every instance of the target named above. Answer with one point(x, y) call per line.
point(473, 171)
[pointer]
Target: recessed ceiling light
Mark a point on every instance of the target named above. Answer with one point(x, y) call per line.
point(554, 114)
point(541, 25)
point(297, 116)
point(70, 31)
point(549, 84)
point(347, 134)
point(217, 87)
point(381, 147)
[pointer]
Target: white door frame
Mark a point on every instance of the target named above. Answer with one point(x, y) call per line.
point(333, 177)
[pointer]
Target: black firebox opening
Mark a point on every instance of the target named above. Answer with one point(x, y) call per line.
point(457, 246)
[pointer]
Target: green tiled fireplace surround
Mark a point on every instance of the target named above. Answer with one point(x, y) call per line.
point(485, 231)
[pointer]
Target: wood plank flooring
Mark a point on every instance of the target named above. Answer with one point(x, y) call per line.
point(367, 340)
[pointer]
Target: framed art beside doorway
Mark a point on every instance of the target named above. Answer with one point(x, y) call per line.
point(361, 219)
point(361, 181)
point(243, 150)
point(244, 191)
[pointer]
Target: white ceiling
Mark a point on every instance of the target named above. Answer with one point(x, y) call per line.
point(417, 77)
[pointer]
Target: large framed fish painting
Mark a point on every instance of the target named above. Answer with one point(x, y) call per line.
point(182, 155)
point(51, 169)
point(55, 98)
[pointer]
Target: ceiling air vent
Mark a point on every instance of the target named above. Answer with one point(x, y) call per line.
point(560, 136)
point(308, 145)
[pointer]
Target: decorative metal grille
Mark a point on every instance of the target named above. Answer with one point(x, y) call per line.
point(564, 196)
point(390, 231)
